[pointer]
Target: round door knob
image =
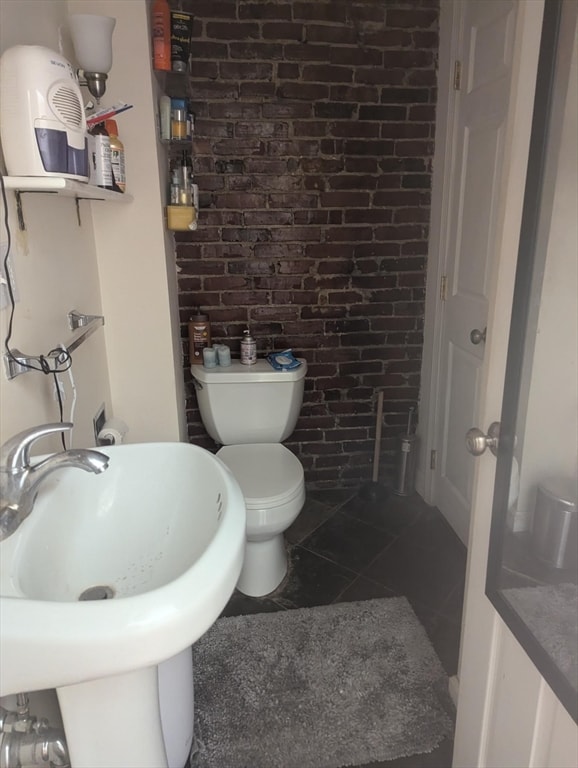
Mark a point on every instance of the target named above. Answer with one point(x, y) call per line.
point(477, 441)
point(477, 336)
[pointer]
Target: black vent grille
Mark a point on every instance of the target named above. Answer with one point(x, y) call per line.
point(66, 105)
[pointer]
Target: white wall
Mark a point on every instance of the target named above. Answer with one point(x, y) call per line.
point(55, 268)
point(119, 263)
point(135, 256)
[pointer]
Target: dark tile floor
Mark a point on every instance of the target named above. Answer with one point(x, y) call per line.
point(346, 547)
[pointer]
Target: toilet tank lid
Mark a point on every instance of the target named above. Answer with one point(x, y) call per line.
point(261, 371)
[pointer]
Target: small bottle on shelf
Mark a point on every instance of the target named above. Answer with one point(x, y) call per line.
point(178, 119)
point(161, 29)
point(175, 195)
point(190, 124)
point(165, 117)
point(187, 180)
point(99, 157)
point(116, 154)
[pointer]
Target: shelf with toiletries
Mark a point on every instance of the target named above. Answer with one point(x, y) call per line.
point(171, 37)
point(176, 127)
point(101, 163)
point(183, 199)
point(177, 136)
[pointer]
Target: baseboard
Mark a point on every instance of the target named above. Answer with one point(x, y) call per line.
point(454, 688)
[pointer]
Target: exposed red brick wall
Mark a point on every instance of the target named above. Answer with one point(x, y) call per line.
point(313, 149)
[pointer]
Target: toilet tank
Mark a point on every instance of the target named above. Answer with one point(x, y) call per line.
point(249, 403)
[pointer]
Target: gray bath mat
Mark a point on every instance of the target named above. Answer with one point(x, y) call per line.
point(326, 687)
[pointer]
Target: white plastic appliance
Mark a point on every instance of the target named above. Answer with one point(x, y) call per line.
point(42, 121)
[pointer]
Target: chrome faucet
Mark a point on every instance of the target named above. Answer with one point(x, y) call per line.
point(19, 480)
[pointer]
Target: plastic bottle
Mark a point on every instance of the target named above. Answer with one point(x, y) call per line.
point(199, 337)
point(116, 154)
point(161, 27)
point(181, 29)
point(248, 349)
point(99, 157)
point(165, 117)
point(175, 191)
point(190, 123)
point(178, 119)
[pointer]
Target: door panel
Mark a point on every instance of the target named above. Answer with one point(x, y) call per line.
point(457, 464)
point(561, 739)
point(490, 45)
point(482, 151)
point(479, 120)
point(515, 695)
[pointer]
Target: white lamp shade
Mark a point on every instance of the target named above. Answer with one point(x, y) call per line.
point(92, 40)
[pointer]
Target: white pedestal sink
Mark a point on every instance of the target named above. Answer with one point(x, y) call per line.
point(162, 531)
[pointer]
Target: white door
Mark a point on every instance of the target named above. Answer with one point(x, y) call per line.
point(483, 53)
point(508, 716)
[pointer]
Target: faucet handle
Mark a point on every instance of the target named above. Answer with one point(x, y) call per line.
point(15, 453)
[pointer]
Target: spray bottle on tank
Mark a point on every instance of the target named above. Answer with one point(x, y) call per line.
point(248, 349)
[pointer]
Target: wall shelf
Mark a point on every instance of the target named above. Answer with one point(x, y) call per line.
point(58, 185)
point(65, 187)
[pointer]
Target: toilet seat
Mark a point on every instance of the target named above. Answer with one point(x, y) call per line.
point(268, 473)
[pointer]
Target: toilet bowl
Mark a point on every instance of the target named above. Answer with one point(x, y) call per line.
point(273, 485)
point(250, 410)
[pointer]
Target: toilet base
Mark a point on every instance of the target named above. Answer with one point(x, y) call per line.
point(264, 566)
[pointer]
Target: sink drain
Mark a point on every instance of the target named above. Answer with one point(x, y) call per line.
point(97, 593)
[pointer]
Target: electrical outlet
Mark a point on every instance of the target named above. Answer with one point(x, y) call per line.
point(99, 422)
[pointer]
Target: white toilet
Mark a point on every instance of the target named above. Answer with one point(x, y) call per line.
point(250, 410)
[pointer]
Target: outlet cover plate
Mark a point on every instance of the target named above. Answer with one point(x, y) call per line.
point(99, 422)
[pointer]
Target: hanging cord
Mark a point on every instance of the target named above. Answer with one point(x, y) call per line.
point(58, 359)
point(57, 384)
point(60, 405)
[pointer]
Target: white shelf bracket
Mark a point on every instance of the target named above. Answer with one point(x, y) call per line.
point(20, 212)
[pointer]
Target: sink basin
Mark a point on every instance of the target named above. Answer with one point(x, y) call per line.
point(160, 533)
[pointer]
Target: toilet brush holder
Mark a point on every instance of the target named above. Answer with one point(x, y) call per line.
point(406, 461)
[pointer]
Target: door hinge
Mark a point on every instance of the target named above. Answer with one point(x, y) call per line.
point(433, 459)
point(457, 75)
point(444, 288)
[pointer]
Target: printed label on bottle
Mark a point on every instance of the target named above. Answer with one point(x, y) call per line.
point(99, 155)
point(117, 162)
point(161, 41)
point(248, 352)
point(200, 337)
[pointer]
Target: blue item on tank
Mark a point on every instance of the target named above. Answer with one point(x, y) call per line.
point(283, 361)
